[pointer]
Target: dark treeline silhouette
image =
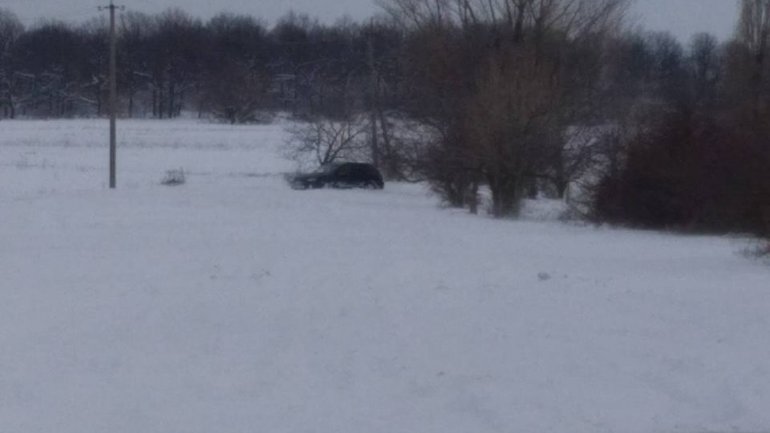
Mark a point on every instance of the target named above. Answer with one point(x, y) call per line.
point(230, 66)
point(517, 97)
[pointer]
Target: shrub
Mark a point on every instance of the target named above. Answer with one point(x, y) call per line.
point(174, 177)
point(692, 174)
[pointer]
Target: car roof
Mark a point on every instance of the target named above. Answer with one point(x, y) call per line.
point(360, 164)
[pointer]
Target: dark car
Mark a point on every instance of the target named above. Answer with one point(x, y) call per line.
point(340, 175)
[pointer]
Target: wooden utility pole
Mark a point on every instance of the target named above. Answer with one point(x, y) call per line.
point(113, 92)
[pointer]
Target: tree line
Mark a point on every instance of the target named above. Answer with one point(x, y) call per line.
point(230, 66)
point(514, 97)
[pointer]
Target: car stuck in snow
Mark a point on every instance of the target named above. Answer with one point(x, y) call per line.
point(340, 175)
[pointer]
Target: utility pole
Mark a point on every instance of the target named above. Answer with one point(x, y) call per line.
point(113, 92)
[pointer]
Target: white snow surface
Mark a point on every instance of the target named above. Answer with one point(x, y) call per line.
point(235, 304)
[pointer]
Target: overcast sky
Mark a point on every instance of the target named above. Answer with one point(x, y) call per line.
point(684, 18)
point(681, 17)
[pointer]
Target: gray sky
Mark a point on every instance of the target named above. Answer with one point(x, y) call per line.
point(681, 17)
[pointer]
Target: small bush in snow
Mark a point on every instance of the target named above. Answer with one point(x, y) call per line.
point(757, 249)
point(764, 249)
point(174, 177)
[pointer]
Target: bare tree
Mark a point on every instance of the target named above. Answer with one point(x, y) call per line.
point(502, 81)
point(420, 13)
point(235, 93)
point(94, 35)
point(325, 141)
point(52, 58)
point(706, 69)
point(175, 60)
point(509, 121)
point(10, 30)
point(134, 71)
point(753, 33)
point(236, 80)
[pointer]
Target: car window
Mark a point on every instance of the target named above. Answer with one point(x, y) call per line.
point(327, 168)
point(343, 170)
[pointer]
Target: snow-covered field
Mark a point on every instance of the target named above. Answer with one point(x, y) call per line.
point(234, 304)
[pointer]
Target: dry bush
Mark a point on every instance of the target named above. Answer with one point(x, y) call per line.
point(690, 173)
point(323, 141)
point(174, 177)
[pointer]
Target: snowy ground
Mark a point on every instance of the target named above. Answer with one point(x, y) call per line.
point(234, 304)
